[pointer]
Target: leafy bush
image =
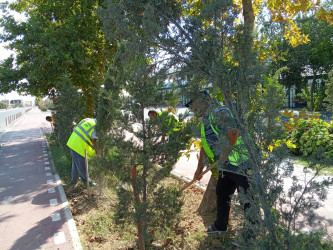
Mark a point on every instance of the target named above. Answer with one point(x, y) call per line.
point(310, 240)
point(69, 108)
point(310, 134)
point(43, 108)
point(300, 96)
point(329, 91)
point(62, 159)
point(2, 105)
point(49, 104)
point(318, 98)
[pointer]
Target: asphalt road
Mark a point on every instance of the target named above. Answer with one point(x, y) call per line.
point(34, 213)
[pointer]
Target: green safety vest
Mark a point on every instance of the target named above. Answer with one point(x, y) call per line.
point(234, 157)
point(81, 138)
point(170, 119)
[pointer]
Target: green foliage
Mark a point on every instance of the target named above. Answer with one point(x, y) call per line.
point(329, 91)
point(318, 53)
point(152, 37)
point(313, 58)
point(41, 104)
point(43, 108)
point(56, 38)
point(273, 94)
point(62, 159)
point(49, 104)
point(312, 240)
point(318, 98)
point(299, 96)
point(45, 105)
point(309, 135)
point(167, 205)
point(203, 44)
point(300, 240)
point(9, 77)
point(3, 105)
point(109, 105)
point(69, 105)
point(130, 140)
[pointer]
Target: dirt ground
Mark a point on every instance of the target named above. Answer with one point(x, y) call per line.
point(97, 230)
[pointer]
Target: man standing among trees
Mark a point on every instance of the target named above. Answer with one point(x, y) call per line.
point(81, 140)
point(220, 140)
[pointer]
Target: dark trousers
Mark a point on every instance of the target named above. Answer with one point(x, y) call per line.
point(78, 168)
point(227, 184)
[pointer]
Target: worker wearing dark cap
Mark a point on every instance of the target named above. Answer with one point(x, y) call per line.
point(219, 140)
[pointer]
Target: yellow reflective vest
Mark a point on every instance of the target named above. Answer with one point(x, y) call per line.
point(81, 138)
point(169, 122)
point(235, 158)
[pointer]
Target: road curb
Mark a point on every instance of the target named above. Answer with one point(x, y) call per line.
point(182, 178)
point(65, 206)
point(69, 218)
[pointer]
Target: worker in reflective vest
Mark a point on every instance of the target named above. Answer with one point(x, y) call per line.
point(169, 123)
point(82, 138)
point(219, 140)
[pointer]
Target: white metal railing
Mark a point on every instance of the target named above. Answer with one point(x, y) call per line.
point(7, 117)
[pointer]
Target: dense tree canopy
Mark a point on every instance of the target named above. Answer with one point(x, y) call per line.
point(312, 59)
point(205, 41)
point(57, 38)
point(215, 44)
point(65, 37)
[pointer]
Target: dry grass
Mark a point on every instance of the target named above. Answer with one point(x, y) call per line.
point(95, 224)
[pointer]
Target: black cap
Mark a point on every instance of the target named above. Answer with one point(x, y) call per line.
point(203, 94)
point(189, 103)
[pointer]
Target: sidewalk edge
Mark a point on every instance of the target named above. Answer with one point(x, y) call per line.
point(182, 178)
point(69, 217)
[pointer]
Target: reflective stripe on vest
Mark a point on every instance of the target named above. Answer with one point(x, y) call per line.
point(81, 138)
point(86, 133)
point(234, 157)
point(209, 152)
point(170, 118)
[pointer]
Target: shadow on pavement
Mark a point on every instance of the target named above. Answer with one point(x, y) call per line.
point(319, 223)
point(4, 218)
point(39, 234)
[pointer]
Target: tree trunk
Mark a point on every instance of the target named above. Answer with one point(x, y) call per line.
point(136, 200)
point(289, 105)
point(143, 218)
point(89, 102)
point(249, 19)
point(313, 84)
point(208, 203)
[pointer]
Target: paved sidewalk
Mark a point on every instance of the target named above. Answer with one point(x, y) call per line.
point(34, 213)
point(323, 215)
point(185, 169)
